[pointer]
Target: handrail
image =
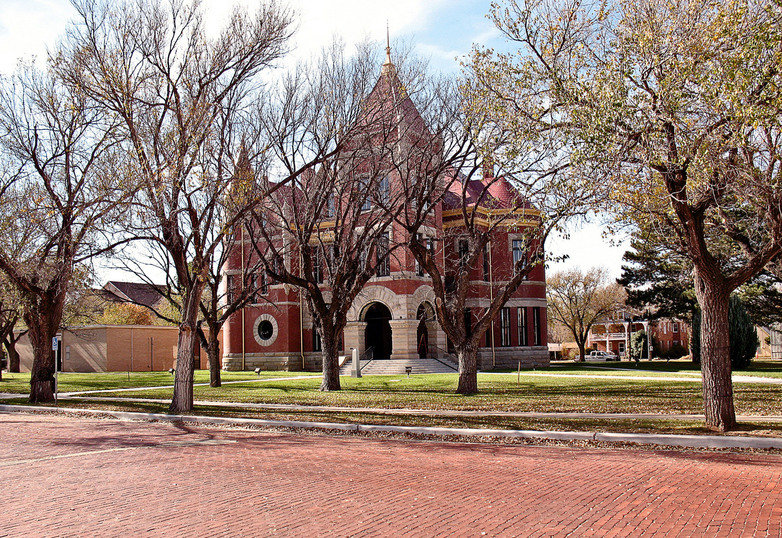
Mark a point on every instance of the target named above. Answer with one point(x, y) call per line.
point(368, 352)
point(449, 356)
point(449, 364)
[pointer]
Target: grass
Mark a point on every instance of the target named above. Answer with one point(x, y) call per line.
point(73, 382)
point(768, 369)
point(771, 369)
point(498, 392)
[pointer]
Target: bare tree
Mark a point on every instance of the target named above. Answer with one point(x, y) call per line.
point(333, 229)
point(10, 316)
point(59, 193)
point(502, 178)
point(580, 299)
point(226, 161)
point(677, 105)
point(218, 303)
point(151, 65)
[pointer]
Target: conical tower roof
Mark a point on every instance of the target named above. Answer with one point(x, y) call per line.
point(389, 103)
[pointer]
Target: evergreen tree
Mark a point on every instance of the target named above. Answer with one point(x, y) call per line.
point(743, 338)
point(658, 280)
point(638, 345)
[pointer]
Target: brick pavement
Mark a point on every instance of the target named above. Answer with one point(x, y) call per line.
point(66, 476)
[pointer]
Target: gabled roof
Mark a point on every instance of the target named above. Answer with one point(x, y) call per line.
point(141, 293)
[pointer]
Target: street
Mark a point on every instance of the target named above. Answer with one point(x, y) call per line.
point(64, 476)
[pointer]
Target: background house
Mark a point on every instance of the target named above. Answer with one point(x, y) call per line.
point(670, 337)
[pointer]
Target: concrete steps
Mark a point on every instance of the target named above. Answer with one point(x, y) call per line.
point(397, 367)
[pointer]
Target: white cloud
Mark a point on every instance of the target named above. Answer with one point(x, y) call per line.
point(29, 27)
point(352, 21)
point(586, 248)
point(449, 55)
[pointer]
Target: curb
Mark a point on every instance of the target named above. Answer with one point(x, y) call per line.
point(683, 441)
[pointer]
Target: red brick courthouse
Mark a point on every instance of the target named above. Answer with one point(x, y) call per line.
point(394, 314)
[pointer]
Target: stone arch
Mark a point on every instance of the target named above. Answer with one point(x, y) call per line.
point(377, 294)
point(426, 312)
point(362, 315)
point(422, 294)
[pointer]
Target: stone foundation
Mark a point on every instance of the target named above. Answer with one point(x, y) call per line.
point(504, 358)
point(275, 361)
point(264, 361)
point(510, 357)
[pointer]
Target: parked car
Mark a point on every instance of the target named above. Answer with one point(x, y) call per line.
point(601, 356)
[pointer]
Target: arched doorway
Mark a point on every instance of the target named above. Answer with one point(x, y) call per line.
point(378, 331)
point(425, 315)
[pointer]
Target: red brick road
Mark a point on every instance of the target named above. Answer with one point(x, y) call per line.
point(66, 476)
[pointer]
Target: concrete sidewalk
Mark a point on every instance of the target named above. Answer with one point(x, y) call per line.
point(684, 377)
point(682, 441)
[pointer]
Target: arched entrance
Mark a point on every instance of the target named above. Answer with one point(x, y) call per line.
point(378, 330)
point(425, 315)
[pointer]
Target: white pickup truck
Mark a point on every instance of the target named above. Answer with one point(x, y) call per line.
point(601, 356)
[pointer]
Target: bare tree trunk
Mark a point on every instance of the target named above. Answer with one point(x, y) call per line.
point(330, 357)
point(468, 369)
point(213, 354)
point(13, 355)
point(41, 332)
point(182, 399)
point(581, 351)
point(715, 355)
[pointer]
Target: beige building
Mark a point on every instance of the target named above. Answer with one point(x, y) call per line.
point(113, 348)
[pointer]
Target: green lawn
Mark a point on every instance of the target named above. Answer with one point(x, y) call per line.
point(497, 392)
point(71, 382)
point(771, 369)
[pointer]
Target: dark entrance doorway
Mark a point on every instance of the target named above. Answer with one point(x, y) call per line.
point(378, 331)
point(423, 340)
point(424, 315)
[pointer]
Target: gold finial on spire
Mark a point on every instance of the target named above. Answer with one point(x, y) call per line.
point(388, 67)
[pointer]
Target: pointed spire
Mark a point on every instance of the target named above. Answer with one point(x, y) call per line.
point(388, 43)
point(388, 67)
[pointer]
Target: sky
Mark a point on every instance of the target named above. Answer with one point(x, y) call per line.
point(439, 30)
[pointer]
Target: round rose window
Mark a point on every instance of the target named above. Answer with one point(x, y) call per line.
point(265, 329)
